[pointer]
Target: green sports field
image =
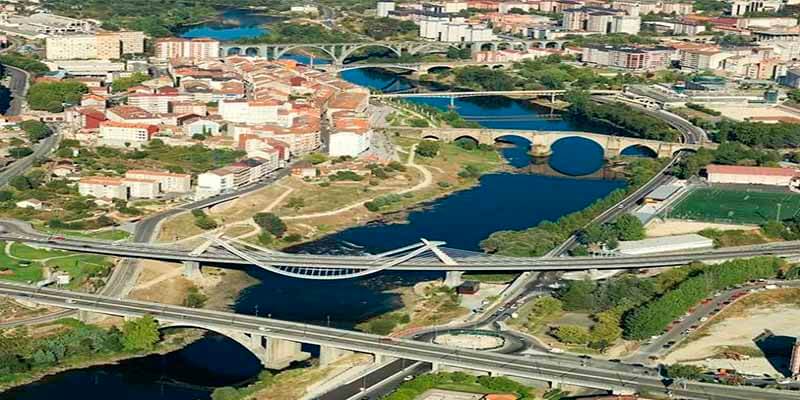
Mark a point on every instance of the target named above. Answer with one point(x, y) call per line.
point(736, 206)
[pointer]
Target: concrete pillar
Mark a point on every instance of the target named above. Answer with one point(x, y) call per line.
point(191, 269)
point(453, 278)
point(328, 355)
point(280, 353)
point(611, 152)
point(435, 366)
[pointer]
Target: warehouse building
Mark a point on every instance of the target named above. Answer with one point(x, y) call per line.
point(751, 175)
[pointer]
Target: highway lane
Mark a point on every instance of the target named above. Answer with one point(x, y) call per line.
point(18, 87)
point(378, 383)
point(597, 374)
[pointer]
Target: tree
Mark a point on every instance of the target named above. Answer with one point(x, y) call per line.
point(577, 295)
point(572, 334)
point(684, 371)
point(20, 152)
point(316, 158)
point(51, 96)
point(270, 223)
point(140, 334)
point(21, 183)
point(194, 298)
point(427, 148)
point(628, 227)
point(125, 83)
point(36, 130)
point(296, 203)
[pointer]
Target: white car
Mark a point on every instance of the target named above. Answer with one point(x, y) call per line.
point(264, 329)
point(408, 378)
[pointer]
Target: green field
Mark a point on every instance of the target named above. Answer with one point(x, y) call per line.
point(25, 264)
point(736, 206)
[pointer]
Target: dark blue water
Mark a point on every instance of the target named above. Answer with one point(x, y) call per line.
point(232, 24)
point(463, 219)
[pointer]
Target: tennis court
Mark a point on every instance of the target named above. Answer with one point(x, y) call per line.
point(736, 206)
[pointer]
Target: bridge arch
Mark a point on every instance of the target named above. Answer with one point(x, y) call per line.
point(641, 150)
point(551, 45)
point(467, 141)
point(431, 137)
point(432, 47)
point(233, 51)
point(579, 136)
point(282, 52)
point(252, 52)
point(241, 339)
point(347, 53)
point(508, 136)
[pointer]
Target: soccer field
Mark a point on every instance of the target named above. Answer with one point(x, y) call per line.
point(736, 206)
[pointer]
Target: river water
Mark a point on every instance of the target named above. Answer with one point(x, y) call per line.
point(463, 219)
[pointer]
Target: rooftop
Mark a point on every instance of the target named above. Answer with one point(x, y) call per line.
point(743, 170)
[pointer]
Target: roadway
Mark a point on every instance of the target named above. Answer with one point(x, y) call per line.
point(596, 374)
point(463, 261)
point(18, 87)
point(490, 93)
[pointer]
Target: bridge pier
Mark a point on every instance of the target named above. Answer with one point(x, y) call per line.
point(329, 354)
point(275, 353)
point(611, 152)
point(453, 279)
point(191, 269)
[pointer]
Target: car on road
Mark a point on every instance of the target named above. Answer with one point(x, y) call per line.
point(264, 329)
point(408, 378)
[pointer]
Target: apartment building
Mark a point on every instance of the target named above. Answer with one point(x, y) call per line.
point(632, 58)
point(125, 135)
point(192, 49)
point(141, 188)
point(601, 20)
point(254, 112)
point(351, 136)
point(168, 182)
point(737, 8)
point(453, 29)
point(103, 187)
point(157, 103)
point(99, 46)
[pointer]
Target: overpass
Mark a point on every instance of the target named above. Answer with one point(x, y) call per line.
point(423, 256)
point(542, 141)
point(339, 52)
point(257, 334)
point(552, 93)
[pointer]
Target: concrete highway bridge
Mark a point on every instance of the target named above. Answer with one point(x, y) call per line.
point(423, 256)
point(542, 141)
point(339, 52)
point(277, 344)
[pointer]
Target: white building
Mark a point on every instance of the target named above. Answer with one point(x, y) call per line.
point(103, 188)
point(253, 112)
point(31, 203)
point(453, 29)
point(384, 7)
point(142, 188)
point(125, 135)
point(665, 244)
point(742, 7)
point(168, 182)
point(751, 175)
point(214, 182)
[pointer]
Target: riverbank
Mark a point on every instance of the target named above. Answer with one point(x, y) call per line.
point(333, 206)
point(169, 343)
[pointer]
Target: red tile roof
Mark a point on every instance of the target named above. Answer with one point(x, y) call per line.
point(743, 170)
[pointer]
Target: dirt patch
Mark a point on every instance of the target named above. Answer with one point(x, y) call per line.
point(161, 282)
point(737, 328)
point(224, 292)
point(671, 227)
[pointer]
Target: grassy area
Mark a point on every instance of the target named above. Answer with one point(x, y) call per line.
point(733, 238)
point(26, 264)
point(736, 206)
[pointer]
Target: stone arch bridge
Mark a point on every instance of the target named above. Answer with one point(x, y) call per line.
point(542, 141)
point(339, 52)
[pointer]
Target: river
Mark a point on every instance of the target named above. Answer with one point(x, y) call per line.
point(463, 219)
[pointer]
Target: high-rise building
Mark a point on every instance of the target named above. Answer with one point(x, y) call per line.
point(194, 49)
point(102, 46)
